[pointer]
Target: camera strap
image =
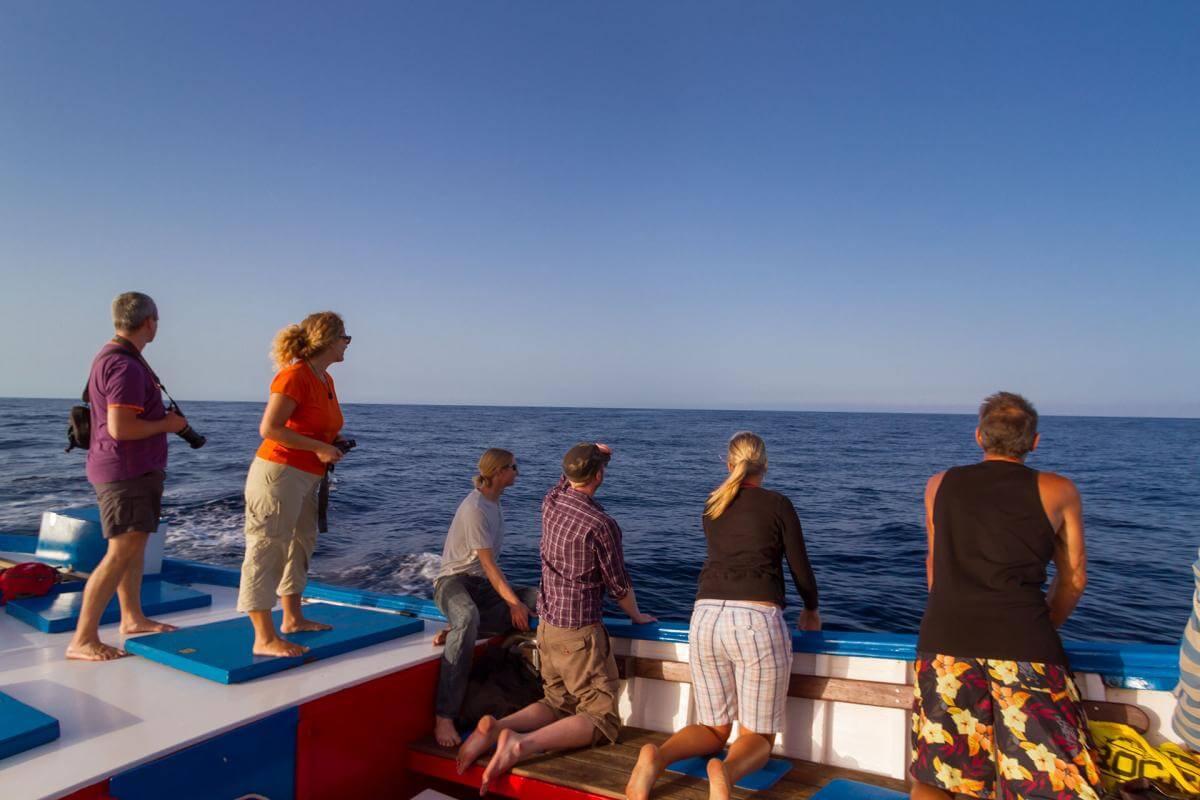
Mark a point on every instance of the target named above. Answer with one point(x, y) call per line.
point(132, 350)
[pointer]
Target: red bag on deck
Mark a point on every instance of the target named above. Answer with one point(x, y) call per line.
point(31, 579)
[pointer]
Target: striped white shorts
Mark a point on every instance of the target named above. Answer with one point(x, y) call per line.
point(741, 658)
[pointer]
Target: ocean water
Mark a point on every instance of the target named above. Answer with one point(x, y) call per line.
point(856, 479)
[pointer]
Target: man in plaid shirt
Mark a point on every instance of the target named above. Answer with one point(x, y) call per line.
point(581, 559)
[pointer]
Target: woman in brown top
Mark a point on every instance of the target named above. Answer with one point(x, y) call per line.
point(739, 645)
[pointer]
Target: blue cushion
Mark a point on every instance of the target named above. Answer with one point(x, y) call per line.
point(59, 610)
point(23, 727)
point(842, 789)
point(220, 651)
point(765, 778)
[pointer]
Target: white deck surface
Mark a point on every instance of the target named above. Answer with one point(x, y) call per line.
point(119, 714)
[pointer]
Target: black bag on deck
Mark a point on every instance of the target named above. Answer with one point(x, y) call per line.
point(502, 681)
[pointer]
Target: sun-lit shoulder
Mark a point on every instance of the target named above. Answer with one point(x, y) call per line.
point(1051, 484)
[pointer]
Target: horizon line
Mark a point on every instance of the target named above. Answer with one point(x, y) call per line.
point(696, 409)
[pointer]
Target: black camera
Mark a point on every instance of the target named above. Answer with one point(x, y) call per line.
point(345, 445)
point(188, 434)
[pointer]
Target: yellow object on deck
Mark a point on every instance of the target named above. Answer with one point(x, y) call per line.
point(1126, 756)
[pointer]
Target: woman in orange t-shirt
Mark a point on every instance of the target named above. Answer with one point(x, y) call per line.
point(299, 428)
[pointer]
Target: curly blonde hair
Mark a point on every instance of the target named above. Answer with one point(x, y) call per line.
point(315, 333)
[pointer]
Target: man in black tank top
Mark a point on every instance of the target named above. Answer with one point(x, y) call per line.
point(995, 711)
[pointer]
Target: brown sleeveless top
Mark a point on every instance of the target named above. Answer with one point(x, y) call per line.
point(992, 542)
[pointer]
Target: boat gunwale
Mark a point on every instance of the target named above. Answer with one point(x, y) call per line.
point(1124, 665)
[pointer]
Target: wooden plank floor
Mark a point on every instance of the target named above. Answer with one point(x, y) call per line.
point(605, 770)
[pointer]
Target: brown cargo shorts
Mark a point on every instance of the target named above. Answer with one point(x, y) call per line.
point(131, 505)
point(579, 675)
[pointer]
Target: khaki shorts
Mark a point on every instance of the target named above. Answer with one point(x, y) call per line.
point(580, 675)
point(130, 505)
point(281, 533)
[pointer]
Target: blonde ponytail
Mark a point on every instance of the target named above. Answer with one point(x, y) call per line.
point(307, 339)
point(490, 463)
point(747, 458)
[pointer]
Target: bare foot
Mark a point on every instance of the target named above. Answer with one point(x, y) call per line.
point(439, 638)
point(445, 732)
point(644, 774)
point(478, 743)
point(508, 753)
point(303, 625)
point(718, 780)
point(94, 651)
point(145, 625)
point(279, 647)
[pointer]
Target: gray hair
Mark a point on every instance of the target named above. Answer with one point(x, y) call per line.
point(131, 310)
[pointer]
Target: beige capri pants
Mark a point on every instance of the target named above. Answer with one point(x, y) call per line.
point(281, 533)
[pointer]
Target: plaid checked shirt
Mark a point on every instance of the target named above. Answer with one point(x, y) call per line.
point(581, 558)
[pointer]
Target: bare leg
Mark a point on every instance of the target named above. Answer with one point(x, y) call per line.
point(293, 617)
point(511, 747)
point(129, 591)
point(694, 740)
point(749, 753)
point(484, 737)
point(923, 791)
point(266, 641)
point(123, 549)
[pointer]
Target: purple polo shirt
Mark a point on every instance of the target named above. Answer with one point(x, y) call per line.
point(118, 379)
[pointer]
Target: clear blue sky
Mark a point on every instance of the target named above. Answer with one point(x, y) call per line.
point(892, 206)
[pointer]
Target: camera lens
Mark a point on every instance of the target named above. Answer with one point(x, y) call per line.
point(192, 438)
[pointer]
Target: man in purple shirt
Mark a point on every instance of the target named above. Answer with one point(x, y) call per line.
point(581, 560)
point(126, 460)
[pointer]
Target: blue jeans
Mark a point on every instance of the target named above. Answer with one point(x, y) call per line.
point(473, 609)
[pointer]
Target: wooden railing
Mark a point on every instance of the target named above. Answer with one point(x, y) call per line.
point(867, 693)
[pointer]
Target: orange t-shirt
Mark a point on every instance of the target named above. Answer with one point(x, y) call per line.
point(317, 415)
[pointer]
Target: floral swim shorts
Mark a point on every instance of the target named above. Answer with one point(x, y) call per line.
point(1001, 729)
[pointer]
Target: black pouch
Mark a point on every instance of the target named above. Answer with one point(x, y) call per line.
point(79, 424)
point(79, 428)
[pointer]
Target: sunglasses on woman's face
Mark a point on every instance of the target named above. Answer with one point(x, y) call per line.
point(513, 467)
point(345, 338)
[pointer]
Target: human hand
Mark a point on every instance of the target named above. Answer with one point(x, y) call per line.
point(328, 454)
point(642, 619)
point(520, 615)
point(174, 422)
point(810, 620)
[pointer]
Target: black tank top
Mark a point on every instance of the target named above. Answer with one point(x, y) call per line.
point(992, 542)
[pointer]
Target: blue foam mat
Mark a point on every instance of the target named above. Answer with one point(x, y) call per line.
point(765, 778)
point(59, 611)
point(221, 651)
point(23, 727)
point(842, 789)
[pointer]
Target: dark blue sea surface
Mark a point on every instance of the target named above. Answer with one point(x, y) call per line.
point(856, 479)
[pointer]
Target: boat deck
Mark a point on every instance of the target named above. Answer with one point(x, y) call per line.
point(117, 715)
point(604, 771)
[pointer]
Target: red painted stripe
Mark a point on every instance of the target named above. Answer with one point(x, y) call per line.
point(507, 786)
point(97, 791)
